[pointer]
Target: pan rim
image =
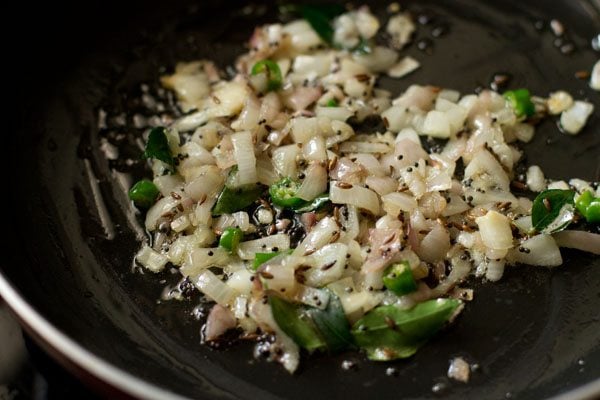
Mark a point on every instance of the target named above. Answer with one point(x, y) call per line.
point(129, 384)
point(90, 363)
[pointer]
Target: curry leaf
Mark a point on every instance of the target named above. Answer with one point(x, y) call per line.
point(158, 146)
point(332, 324)
point(231, 200)
point(319, 17)
point(388, 332)
point(553, 210)
point(296, 324)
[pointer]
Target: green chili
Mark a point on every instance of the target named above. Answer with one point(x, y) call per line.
point(399, 279)
point(271, 68)
point(283, 194)
point(332, 103)
point(589, 206)
point(261, 258)
point(231, 238)
point(520, 101)
point(143, 193)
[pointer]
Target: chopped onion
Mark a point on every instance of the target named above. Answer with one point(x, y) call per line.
point(358, 196)
point(284, 159)
point(580, 240)
point(209, 284)
point(495, 230)
point(333, 113)
point(539, 250)
point(321, 234)
point(559, 102)
point(302, 35)
point(151, 259)
point(206, 185)
point(314, 184)
point(160, 208)
point(403, 67)
point(595, 77)
point(400, 27)
point(381, 185)
point(573, 119)
point(202, 258)
point(243, 152)
point(219, 321)
point(396, 203)
point(168, 183)
point(363, 147)
point(380, 59)
point(278, 276)
point(434, 245)
point(241, 281)
point(535, 179)
point(312, 296)
point(327, 264)
point(273, 243)
point(495, 270)
point(315, 150)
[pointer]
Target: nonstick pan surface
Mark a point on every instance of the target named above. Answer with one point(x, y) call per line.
point(70, 237)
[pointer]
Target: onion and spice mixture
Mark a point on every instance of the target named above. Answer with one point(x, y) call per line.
point(302, 228)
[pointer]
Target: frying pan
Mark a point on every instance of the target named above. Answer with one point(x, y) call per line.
point(70, 233)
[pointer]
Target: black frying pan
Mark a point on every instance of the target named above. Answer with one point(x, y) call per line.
point(535, 334)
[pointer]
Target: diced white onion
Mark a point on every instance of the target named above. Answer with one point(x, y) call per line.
point(403, 67)
point(356, 195)
point(573, 119)
point(243, 152)
point(539, 250)
point(209, 284)
point(595, 78)
point(319, 235)
point(278, 242)
point(151, 259)
point(580, 240)
point(314, 184)
point(495, 230)
point(203, 258)
point(327, 264)
point(395, 203)
point(535, 179)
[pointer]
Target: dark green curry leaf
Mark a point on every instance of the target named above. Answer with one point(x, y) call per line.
point(158, 146)
point(320, 16)
point(332, 324)
point(553, 210)
point(388, 332)
point(292, 319)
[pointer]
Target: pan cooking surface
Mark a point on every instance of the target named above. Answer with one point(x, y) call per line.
point(534, 334)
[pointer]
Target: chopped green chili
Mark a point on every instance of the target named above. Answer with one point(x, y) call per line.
point(271, 68)
point(283, 194)
point(520, 100)
point(231, 238)
point(399, 279)
point(589, 206)
point(332, 103)
point(261, 258)
point(144, 193)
